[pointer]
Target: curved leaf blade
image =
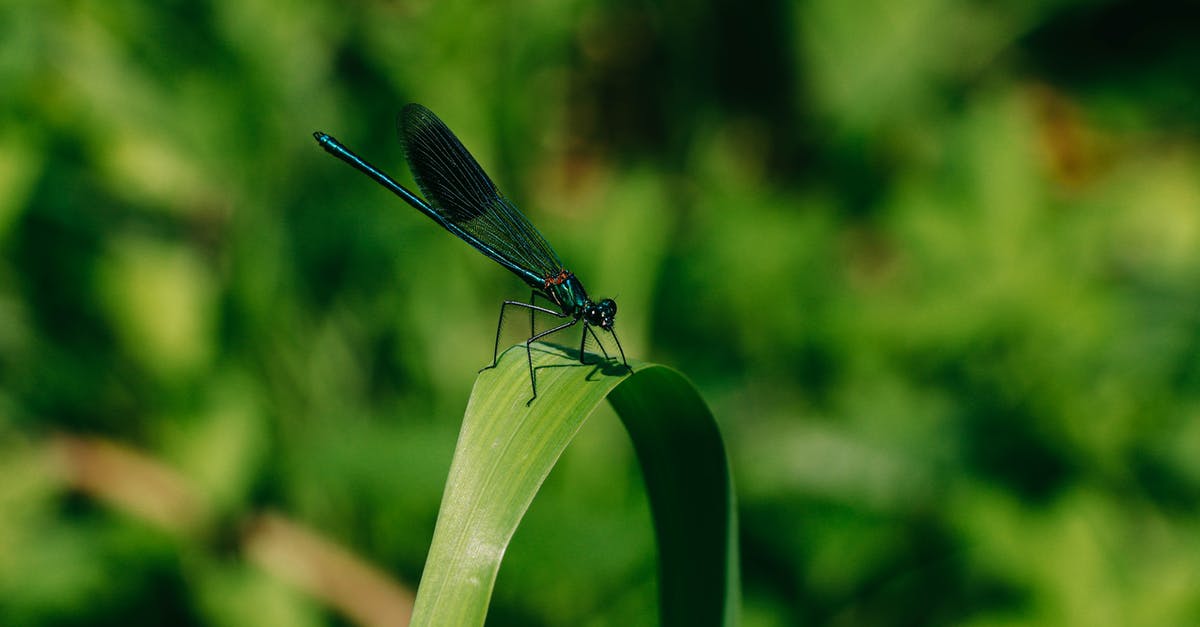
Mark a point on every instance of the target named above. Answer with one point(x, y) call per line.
point(506, 449)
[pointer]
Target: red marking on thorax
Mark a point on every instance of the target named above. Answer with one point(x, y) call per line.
point(558, 280)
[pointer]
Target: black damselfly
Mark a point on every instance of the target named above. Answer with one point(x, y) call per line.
point(460, 197)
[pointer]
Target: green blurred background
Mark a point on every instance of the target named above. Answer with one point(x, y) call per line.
point(934, 264)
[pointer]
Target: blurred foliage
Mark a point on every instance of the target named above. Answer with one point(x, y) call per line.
point(934, 265)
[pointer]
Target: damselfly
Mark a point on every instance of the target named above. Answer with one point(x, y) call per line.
point(460, 197)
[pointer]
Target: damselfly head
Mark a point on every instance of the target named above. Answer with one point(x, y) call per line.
point(601, 314)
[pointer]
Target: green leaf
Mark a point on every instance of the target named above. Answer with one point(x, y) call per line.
point(506, 449)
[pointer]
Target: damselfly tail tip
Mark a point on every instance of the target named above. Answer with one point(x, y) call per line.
point(325, 141)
